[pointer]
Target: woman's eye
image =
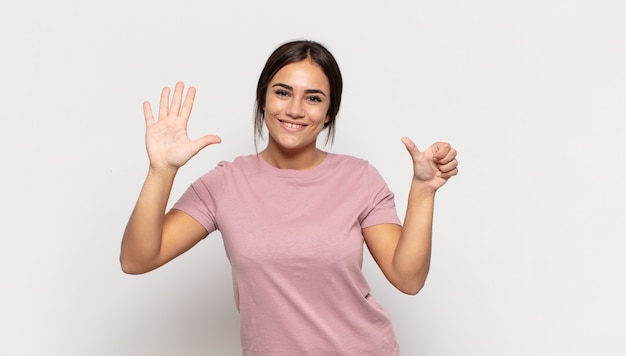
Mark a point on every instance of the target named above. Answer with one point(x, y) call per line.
point(315, 99)
point(281, 92)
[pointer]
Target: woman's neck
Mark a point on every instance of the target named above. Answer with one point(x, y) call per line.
point(302, 160)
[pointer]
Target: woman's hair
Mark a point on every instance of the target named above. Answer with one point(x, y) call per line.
point(292, 52)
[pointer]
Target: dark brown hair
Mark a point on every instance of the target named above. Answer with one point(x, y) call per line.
point(292, 52)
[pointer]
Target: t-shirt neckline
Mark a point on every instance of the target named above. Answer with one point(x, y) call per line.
point(291, 173)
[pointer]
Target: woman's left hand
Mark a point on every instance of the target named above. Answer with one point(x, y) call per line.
point(434, 166)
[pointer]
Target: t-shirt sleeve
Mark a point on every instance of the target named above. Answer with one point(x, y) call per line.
point(382, 207)
point(201, 198)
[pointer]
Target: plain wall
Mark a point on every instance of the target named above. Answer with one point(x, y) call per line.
point(528, 239)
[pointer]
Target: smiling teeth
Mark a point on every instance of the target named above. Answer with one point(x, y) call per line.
point(292, 126)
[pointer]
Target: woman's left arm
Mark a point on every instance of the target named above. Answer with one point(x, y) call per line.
point(403, 252)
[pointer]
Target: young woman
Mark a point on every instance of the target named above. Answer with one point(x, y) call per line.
point(293, 217)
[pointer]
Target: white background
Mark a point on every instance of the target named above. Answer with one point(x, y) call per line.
point(528, 247)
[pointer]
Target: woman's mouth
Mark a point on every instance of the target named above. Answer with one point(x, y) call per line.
point(291, 125)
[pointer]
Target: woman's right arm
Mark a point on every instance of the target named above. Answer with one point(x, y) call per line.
point(152, 238)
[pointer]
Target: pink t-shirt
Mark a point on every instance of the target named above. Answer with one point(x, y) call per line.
point(294, 242)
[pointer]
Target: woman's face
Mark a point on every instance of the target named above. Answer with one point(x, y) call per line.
point(296, 105)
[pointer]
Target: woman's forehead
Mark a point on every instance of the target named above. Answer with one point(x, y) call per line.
point(305, 73)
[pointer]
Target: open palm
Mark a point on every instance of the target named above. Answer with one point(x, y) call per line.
point(167, 141)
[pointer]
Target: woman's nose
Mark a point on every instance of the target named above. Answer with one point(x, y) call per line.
point(295, 108)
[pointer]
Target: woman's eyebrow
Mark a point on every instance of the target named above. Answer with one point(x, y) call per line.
point(290, 88)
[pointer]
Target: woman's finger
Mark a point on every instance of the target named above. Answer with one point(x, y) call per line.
point(147, 113)
point(202, 142)
point(164, 103)
point(410, 147)
point(448, 167)
point(448, 174)
point(177, 98)
point(188, 104)
point(450, 155)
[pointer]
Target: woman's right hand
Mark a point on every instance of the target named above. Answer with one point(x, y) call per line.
point(167, 141)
